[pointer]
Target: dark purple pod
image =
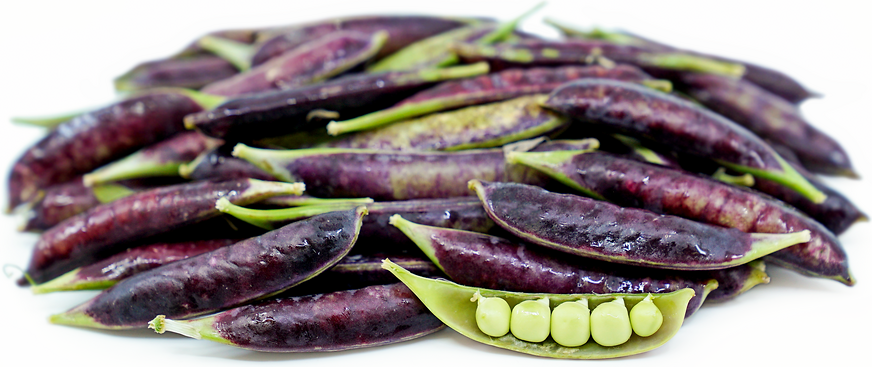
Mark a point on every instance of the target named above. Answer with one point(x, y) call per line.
point(367, 317)
point(485, 261)
point(402, 30)
point(663, 190)
point(734, 281)
point(218, 164)
point(88, 141)
point(286, 111)
point(386, 175)
point(105, 273)
point(599, 230)
point(684, 127)
point(309, 63)
point(162, 159)
point(489, 88)
point(223, 278)
point(358, 270)
point(192, 73)
point(770, 117)
point(106, 229)
point(574, 52)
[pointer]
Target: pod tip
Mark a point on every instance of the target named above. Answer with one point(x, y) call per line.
point(334, 128)
point(161, 324)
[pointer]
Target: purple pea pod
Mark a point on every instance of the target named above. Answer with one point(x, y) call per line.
point(159, 160)
point(773, 81)
point(387, 175)
point(223, 278)
point(286, 111)
point(105, 273)
point(604, 231)
point(474, 127)
point(735, 281)
point(668, 191)
point(485, 261)
point(192, 73)
point(106, 229)
point(684, 127)
point(574, 52)
point(309, 63)
point(218, 164)
point(435, 51)
point(367, 317)
point(488, 88)
point(88, 141)
point(402, 31)
point(770, 117)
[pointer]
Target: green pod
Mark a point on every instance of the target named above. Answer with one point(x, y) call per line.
point(450, 302)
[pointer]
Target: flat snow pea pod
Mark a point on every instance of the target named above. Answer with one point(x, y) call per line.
point(481, 260)
point(218, 164)
point(386, 175)
point(105, 229)
point(90, 140)
point(474, 127)
point(361, 318)
point(770, 117)
point(286, 111)
point(157, 160)
point(573, 52)
point(772, 80)
point(105, 273)
point(309, 63)
point(488, 88)
point(663, 190)
point(226, 277)
point(596, 229)
point(193, 73)
point(450, 302)
point(686, 128)
point(734, 281)
point(59, 202)
point(403, 30)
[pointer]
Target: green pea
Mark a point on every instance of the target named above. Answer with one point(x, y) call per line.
point(492, 315)
point(610, 323)
point(570, 323)
point(645, 317)
point(531, 320)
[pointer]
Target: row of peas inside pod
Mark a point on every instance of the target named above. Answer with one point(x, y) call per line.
point(570, 323)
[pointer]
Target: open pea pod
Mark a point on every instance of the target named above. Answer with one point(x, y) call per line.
point(450, 302)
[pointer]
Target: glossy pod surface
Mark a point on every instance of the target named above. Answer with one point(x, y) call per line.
point(367, 317)
point(450, 302)
point(663, 190)
point(223, 278)
point(687, 128)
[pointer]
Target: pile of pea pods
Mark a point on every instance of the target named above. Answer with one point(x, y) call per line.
point(570, 198)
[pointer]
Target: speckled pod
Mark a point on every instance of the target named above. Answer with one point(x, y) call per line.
point(309, 63)
point(770, 117)
point(663, 190)
point(106, 229)
point(88, 141)
point(480, 260)
point(286, 111)
point(105, 273)
point(367, 317)
point(599, 230)
point(223, 278)
point(684, 127)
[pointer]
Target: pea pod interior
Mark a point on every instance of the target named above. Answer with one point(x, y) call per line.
point(450, 302)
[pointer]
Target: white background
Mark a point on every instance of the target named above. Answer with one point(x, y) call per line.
point(62, 56)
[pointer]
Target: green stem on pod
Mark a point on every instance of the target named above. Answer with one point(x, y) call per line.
point(269, 218)
point(746, 180)
point(450, 302)
point(237, 53)
point(788, 177)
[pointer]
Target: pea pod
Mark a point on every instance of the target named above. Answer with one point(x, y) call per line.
point(674, 192)
point(287, 111)
point(191, 72)
point(686, 128)
point(218, 164)
point(367, 317)
point(735, 281)
point(62, 201)
point(596, 229)
point(309, 63)
point(450, 302)
point(493, 87)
